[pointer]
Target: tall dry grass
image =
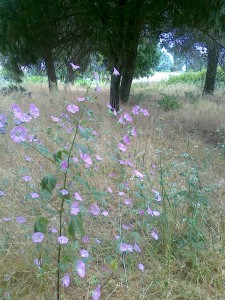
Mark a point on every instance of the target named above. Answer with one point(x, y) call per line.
point(180, 143)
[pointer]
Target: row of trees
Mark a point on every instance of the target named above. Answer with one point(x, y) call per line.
point(125, 32)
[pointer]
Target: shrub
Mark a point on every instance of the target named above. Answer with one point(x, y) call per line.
point(188, 77)
point(169, 102)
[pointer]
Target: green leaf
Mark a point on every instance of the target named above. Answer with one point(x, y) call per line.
point(75, 226)
point(58, 156)
point(48, 183)
point(83, 182)
point(41, 225)
point(43, 150)
point(82, 148)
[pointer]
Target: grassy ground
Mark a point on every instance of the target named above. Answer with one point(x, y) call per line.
point(187, 148)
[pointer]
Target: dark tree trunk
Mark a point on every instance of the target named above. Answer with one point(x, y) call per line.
point(210, 80)
point(70, 75)
point(125, 86)
point(128, 70)
point(49, 63)
point(114, 91)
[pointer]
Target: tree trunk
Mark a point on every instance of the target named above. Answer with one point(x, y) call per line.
point(128, 70)
point(70, 75)
point(114, 91)
point(210, 80)
point(125, 86)
point(49, 63)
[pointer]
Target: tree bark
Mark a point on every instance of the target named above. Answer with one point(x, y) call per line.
point(114, 91)
point(128, 69)
point(70, 75)
point(50, 67)
point(210, 80)
point(125, 86)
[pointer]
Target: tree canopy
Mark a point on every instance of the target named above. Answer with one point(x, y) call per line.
point(59, 32)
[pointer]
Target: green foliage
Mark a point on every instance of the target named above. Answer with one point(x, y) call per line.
point(48, 183)
point(169, 103)
point(188, 77)
point(41, 225)
point(147, 58)
point(75, 226)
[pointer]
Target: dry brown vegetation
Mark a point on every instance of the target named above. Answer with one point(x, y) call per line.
point(182, 144)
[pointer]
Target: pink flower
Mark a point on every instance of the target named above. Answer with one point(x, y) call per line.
point(154, 234)
point(84, 253)
point(122, 120)
point(38, 237)
point(138, 174)
point(99, 158)
point(34, 195)
point(126, 247)
point(2, 194)
point(127, 117)
point(64, 165)
point(27, 178)
point(85, 239)
point(137, 248)
point(34, 111)
point(94, 209)
point(145, 112)
point(133, 132)
point(75, 208)
point(126, 162)
point(81, 99)
point(109, 190)
point(75, 67)
point(109, 106)
point(126, 139)
point(78, 197)
point(122, 147)
point(19, 134)
point(28, 158)
point(6, 219)
point(96, 294)
point(128, 202)
point(75, 159)
point(98, 89)
point(66, 280)
point(55, 119)
point(135, 110)
point(87, 159)
point(53, 230)
point(105, 213)
point(62, 240)
point(141, 267)
point(81, 269)
point(115, 72)
point(64, 192)
point(153, 212)
point(72, 108)
point(21, 220)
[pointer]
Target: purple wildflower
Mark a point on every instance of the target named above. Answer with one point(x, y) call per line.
point(81, 269)
point(38, 237)
point(18, 134)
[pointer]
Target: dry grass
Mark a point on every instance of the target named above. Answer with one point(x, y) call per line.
point(186, 142)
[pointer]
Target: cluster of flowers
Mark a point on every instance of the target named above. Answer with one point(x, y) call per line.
point(20, 133)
